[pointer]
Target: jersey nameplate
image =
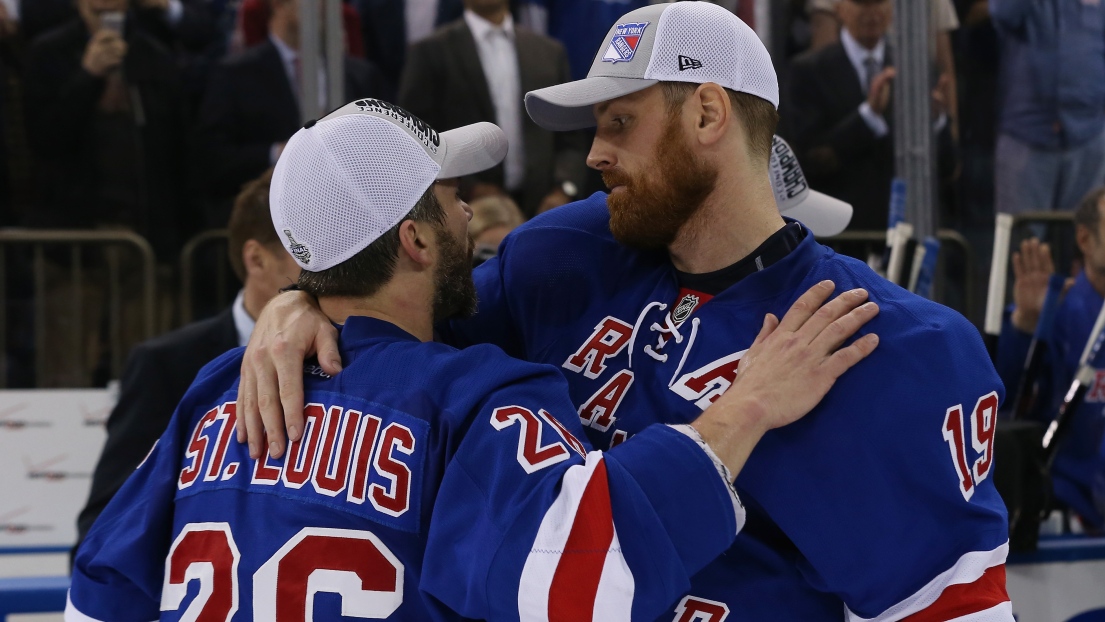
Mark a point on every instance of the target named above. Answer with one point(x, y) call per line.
point(352, 456)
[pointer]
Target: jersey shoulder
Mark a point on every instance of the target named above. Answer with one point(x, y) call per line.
point(460, 379)
point(586, 217)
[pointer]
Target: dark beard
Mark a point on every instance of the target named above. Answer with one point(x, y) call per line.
point(658, 201)
point(454, 290)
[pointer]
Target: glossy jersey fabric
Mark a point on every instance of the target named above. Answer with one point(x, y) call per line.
point(859, 511)
point(1078, 476)
point(430, 484)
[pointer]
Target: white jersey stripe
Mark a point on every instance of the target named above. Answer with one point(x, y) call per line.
point(1000, 613)
point(968, 569)
point(556, 526)
point(614, 600)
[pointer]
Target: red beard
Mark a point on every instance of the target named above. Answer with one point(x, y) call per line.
point(655, 204)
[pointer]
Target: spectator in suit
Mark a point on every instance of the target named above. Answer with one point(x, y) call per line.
point(478, 69)
point(1051, 87)
point(254, 20)
point(159, 371)
point(251, 108)
point(107, 122)
point(943, 21)
point(389, 27)
point(838, 113)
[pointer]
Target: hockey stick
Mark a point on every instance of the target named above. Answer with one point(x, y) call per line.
point(924, 267)
point(1083, 379)
point(900, 236)
point(896, 215)
point(1034, 360)
point(999, 274)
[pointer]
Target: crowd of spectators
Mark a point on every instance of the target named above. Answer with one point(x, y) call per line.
point(151, 115)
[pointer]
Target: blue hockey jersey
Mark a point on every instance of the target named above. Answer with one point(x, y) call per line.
point(430, 484)
point(876, 506)
point(1079, 472)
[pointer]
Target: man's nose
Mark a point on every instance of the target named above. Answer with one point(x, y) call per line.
point(601, 157)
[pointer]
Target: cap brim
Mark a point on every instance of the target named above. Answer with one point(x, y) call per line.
point(471, 149)
point(822, 214)
point(567, 106)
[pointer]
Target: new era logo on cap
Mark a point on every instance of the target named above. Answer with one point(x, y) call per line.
point(686, 62)
point(623, 45)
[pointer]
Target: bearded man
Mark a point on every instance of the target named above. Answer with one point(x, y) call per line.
point(879, 505)
point(439, 478)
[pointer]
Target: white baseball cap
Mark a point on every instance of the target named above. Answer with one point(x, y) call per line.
point(821, 213)
point(695, 42)
point(347, 179)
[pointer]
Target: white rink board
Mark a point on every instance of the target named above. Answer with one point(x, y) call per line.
point(50, 440)
point(1061, 582)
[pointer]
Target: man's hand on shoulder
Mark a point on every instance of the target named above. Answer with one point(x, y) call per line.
point(788, 370)
point(270, 395)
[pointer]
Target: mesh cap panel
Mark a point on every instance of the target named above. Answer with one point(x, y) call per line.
point(342, 183)
point(701, 42)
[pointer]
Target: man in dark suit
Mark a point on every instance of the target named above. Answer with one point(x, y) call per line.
point(252, 107)
point(159, 371)
point(478, 69)
point(389, 27)
point(838, 113)
point(107, 123)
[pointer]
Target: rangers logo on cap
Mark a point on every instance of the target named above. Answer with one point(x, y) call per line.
point(624, 43)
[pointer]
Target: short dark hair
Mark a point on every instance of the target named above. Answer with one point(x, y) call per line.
point(366, 272)
point(1088, 213)
point(250, 219)
point(759, 116)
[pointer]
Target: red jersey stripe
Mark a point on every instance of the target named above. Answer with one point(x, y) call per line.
point(576, 581)
point(966, 598)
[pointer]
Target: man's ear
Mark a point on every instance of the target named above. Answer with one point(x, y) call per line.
point(416, 242)
point(1083, 238)
point(253, 257)
point(713, 113)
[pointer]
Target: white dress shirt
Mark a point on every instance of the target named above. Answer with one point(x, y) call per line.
point(495, 46)
point(243, 321)
point(419, 18)
point(290, 56)
point(861, 58)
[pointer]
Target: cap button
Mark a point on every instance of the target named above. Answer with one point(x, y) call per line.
point(308, 125)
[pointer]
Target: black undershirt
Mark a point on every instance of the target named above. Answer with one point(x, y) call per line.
point(774, 248)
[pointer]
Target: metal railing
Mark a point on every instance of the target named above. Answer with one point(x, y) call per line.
point(188, 271)
point(946, 236)
point(78, 243)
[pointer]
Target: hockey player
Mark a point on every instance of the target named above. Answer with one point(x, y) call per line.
point(878, 507)
point(1078, 477)
point(431, 483)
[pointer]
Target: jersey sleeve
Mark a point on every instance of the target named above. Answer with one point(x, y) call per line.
point(122, 559)
point(531, 524)
point(898, 458)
